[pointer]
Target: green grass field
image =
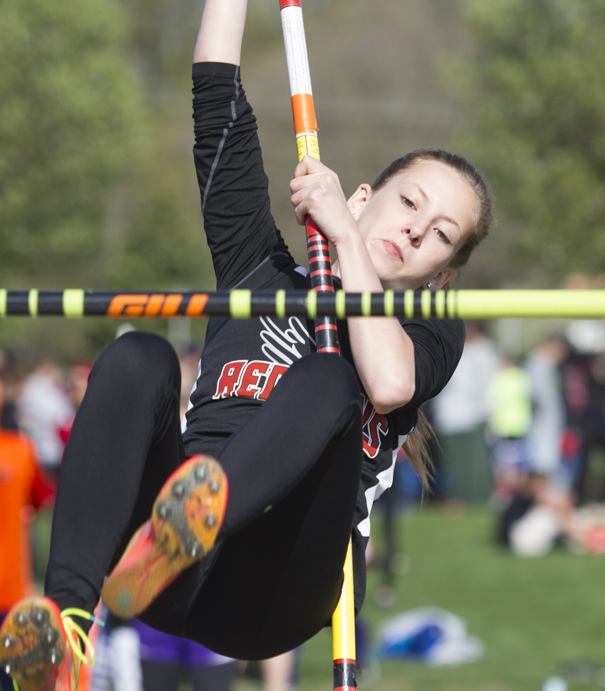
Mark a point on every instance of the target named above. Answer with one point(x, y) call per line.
point(535, 616)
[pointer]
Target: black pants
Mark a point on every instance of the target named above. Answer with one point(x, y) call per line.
point(274, 578)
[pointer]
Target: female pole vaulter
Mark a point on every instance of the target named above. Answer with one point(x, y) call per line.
point(232, 531)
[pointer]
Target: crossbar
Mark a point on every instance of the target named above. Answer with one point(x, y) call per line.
point(245, 304)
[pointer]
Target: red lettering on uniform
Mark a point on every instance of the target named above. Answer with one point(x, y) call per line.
point(273, 377)
point(373, 426)
point(243, 378)
point(367, 410)
point(229, 379)
point(253, 373)
point(378, 425)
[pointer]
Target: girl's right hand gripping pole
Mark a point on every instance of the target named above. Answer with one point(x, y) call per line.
point(326, 335)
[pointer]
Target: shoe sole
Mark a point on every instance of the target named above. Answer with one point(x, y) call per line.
point(33, 644)
point(187, 515)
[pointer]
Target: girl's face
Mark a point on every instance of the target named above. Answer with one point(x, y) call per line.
point(414, 225)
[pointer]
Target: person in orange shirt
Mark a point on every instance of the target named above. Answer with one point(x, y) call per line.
point(22, 486)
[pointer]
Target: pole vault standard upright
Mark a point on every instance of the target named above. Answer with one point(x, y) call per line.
point(326, 335)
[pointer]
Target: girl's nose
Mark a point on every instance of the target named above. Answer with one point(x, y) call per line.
point(415, 233)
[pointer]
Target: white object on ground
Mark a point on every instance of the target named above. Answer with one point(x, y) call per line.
point(453, 647)
point(535, 534)
point(555, 684)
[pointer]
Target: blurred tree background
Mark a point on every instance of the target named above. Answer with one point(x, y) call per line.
point(97, 186)
point(69, 132)
point(533, 98)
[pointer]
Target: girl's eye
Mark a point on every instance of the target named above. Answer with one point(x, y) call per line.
point(442, 236)
point(408, 202)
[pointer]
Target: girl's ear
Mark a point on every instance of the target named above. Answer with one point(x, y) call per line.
point(440, 279)
point(359, 198)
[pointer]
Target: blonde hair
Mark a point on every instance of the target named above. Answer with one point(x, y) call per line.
point(417, 451)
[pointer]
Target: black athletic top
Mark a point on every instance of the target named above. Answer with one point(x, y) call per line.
point(244, 359)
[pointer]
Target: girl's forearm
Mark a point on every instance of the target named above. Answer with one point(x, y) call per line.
point(221, 32)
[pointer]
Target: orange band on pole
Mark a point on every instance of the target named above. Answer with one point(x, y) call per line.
point(304, 114)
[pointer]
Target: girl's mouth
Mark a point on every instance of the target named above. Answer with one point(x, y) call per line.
point(392, 249)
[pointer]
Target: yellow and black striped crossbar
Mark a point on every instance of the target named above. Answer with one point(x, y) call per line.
point(243, 304)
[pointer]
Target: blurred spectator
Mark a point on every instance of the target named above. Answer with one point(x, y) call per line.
point(135, 657)
point(390, 559)
point(44, 409)
point(12, 380)
point(583, 378)
point(542, 511)
point(278, 672)
point(77, 382)
point(586, 336)
point(50, 418)
point(167, 660)
point(541, 516)
point(510, 420)
point(22, 486)
point(584, 391)
point(535, 519)
point(459, 415)
point(548, 409)
point(118, 656)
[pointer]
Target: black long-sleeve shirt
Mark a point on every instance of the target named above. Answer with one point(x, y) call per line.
point(243, 359)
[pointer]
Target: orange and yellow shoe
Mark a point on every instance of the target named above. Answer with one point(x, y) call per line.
point(40, 647)
point(185, 521)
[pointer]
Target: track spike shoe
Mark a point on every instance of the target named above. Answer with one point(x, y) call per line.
point(34, 647)
point(187, 515)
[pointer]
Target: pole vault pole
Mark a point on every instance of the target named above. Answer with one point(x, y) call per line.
point(305, 128)
point(326, 335)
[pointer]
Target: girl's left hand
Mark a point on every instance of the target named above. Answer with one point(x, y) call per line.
point(316, 192)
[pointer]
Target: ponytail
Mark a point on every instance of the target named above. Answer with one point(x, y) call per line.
point(417, 450)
